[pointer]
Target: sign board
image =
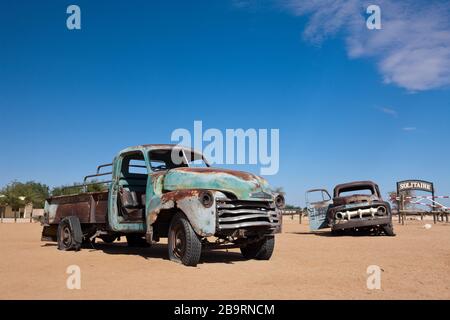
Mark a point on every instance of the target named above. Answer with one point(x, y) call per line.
point(414, 185)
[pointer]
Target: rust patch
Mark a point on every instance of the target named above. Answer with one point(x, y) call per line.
point(179, 194)
point(158, 174)
point(240, 174)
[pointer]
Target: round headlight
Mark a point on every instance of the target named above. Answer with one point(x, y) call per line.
point(206, 198)
point(279, 201)
point(381, 211)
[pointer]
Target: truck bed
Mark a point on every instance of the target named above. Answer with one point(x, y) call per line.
point(91, 207)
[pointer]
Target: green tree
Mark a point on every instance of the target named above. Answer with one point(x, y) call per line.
point(65, 190)
point(17, 194)
point(76, 188)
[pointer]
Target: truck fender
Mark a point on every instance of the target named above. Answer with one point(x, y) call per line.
point(202, 219)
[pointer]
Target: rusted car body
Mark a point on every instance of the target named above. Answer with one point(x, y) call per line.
point(355, 206)
point(159, 191)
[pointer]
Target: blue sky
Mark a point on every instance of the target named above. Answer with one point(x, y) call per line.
point(137, 70)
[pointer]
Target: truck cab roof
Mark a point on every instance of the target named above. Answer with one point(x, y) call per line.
point(156, 147)
point(355, 186)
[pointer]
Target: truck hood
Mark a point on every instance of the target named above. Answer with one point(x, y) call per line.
point(245, 186)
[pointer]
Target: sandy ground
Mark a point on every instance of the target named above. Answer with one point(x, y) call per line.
point(415, 264)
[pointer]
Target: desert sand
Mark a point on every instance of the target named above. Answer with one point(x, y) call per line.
point(415, 264)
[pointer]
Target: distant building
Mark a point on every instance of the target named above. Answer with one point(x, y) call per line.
point(25, 212)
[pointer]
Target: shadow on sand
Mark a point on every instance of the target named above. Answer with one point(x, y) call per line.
point(158, 251)
point(347, 233)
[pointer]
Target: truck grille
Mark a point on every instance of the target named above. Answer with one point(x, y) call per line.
point(234, 214)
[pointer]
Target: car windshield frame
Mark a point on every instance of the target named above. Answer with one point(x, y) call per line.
point(167, 153)
point(355, 191)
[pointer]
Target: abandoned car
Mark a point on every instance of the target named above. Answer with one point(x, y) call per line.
point(168, 191)
point(355, 206)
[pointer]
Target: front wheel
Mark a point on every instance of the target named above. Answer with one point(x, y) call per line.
point(389, 230)
point(184, 244)
point(260, 250)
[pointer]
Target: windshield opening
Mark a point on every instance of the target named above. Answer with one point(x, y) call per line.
point(161, 160)
point(354, 191)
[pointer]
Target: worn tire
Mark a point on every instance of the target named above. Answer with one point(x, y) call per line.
point(389, 230)
point(136, 240)
point(184, 245)
point(261, 250)
point(69, 235)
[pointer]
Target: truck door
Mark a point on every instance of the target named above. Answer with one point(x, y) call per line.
point(127, 198)
point(317, 203)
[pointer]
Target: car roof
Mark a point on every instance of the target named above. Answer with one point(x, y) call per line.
point(156, 147)
point(355, 185)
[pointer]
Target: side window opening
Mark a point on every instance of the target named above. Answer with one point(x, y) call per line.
point(317, 196)
point(137, 166)
point(132, 188)
point(133, 164)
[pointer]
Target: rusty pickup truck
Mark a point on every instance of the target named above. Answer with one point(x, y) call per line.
point(356, 206)
point(168, 191)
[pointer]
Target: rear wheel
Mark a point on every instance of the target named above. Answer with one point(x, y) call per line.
point(67, 237)
point(260, 250)
point(184, 244)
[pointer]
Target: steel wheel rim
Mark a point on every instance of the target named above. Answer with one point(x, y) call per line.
point(66, 236)
point(178, 242)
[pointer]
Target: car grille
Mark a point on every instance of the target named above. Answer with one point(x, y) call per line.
point(234, 214)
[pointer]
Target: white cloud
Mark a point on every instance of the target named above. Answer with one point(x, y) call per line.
point(390, 112)
point(409, 128)
point(412, 50)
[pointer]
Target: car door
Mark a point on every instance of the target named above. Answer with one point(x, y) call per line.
point(317, 204)
point(126, 212)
